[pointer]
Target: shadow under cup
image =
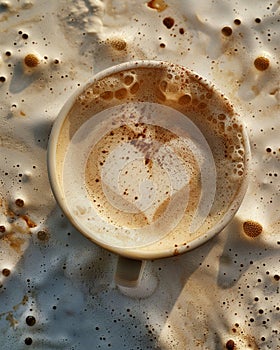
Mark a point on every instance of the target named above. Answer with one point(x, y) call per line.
point(148, 160)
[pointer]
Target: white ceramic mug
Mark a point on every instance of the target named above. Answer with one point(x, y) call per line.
point(148, 160)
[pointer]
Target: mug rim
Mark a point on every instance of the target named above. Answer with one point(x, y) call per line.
point(138, 252)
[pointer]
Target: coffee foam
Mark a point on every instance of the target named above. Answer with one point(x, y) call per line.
point(176, 88)
point(140, 173)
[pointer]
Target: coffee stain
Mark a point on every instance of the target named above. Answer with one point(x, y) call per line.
point(242, 339)
point(31, 60)
point(15, 241)
point(23, 302)
point(30, 223)
point(252, 228)
point(158, 5)
point(13, 322)
point(15, 216)
point(261, 63)
point(118, 44)
point(19, 228)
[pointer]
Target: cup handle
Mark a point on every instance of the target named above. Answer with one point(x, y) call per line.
point(129, 272)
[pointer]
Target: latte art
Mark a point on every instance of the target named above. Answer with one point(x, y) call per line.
point(141, 173)
point(148, 156)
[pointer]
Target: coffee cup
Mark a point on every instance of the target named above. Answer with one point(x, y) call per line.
point(148, 160)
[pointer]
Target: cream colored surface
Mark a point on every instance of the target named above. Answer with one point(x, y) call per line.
point(224, 293)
